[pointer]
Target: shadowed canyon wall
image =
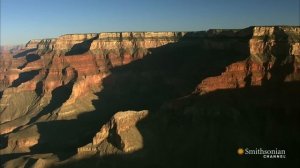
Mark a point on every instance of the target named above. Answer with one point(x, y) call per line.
point(134, 97)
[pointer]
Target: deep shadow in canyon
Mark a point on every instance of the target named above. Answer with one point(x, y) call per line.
point(167, 73)
point(206, 131)
point(30, 58)
point(25, 77)
point(282, 65)
point(24, 53)
point(82, 47)
point(59, 96)
point(182, 130)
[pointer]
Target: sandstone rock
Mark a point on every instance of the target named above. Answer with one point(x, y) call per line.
point(6, 130)
point(33, 44)
point(296, 49)
point(66, 42)
point(15, 103)
point(36, 161)
point(235, 77)
point(120, 131)
point(46, 44)
point(22, 140)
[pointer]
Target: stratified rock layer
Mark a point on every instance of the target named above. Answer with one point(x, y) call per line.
point(274, 54)
point(53, 91)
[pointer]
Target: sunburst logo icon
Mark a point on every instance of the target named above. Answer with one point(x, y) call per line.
point(240, 151)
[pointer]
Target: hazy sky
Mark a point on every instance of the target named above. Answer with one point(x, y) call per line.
point(22, 20)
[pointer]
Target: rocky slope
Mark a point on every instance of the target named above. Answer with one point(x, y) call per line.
point(82, 60)
point(57, 93)
point(274, 57)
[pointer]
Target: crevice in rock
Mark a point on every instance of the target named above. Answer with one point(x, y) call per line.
point(114, 138)
point(59, 96)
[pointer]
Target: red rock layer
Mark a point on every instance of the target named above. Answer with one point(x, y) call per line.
point(271, 48)
point(235, 77)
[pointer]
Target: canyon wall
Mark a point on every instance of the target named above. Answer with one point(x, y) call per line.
point(272, 49)
point(83, 60)
point(79, 61)
point(56, 81)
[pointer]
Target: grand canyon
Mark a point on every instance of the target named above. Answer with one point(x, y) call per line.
point(152, 99)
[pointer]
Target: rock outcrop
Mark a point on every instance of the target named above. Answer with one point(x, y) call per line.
point(119, 134)
point(22, 140)
point(36, 161)
point(32, 44)
point(271, 49)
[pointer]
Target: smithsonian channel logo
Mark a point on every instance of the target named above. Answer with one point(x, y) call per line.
point(264, 153)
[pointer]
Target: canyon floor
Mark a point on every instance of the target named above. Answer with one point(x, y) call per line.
point(152, 99)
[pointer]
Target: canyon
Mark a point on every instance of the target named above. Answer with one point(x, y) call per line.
point(151, 99)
